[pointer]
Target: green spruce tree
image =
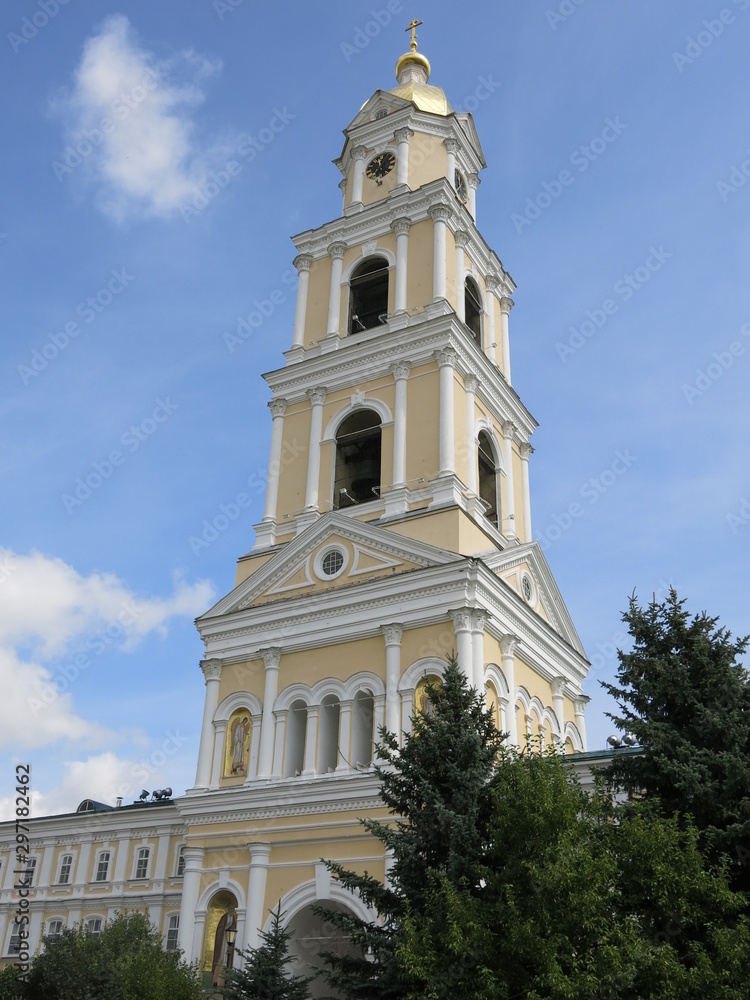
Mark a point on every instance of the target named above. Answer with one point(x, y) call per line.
point(265, 974)
point(437, 787)
point(685, 697)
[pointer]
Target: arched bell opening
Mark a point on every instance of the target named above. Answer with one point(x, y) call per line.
point(368, 295)
point(358, 457)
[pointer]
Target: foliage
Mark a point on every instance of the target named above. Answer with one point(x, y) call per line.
point(686, 699)
point(10, 987)
point(125, 962)
point(265, 975)
point(437, 786)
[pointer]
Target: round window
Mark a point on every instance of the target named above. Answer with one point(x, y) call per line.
point(332, 562)
point(527, 587)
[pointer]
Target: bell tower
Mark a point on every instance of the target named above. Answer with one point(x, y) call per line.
point(396, 526)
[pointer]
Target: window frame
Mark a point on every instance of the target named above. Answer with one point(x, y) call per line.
point(63, 864)
point(172, 936)
point(358, 278)
point(141, 863)
point(99, 861)
point(88, 928)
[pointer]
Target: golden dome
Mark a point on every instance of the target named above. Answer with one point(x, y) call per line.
point(412, 73)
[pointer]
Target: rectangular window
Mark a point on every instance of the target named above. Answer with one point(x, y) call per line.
point(93, 926)
point(102, 867)
point(66, 864)
point(30, 869)
point(181, 863)
point(14, 945)
point(173, 931)
point(141, 864)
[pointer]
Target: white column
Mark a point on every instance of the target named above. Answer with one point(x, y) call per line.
point(378, 719)
point(479, 621)
point(462, 627)
point(508, 645)
point(506, 304)
point(358, 177)
point(440, 214)
point(345, 736)
point(473, 183)
point(42, 879)
point(402, 138)
point(337, 251)
point(509, 517)
point(579, 707)
point(303, 263)
point(446, 360)
point(256, 893)
point(271, 660)
point(121, 851)
point(450, 161)
point(191, 885)
point(393, 635)
point(401, 374)
point(34, 929)
point(212, 672)
point(220, 732)
point(470, 388)
point(84, 860)
point(491, 283)
point(401, 229)
point(162, 855)
point(311, 740)
point(317, 396)
point(462, 238)
point(558, 705)
point(277, 407)
point(278, 749)
point(526, 450)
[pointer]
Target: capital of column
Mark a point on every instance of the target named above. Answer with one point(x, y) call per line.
point(491, 282)
point(403, 134)
point(446, 358)
point(277, 407)
point(401, 370)
point(470, 383)
point(526, 450)
point(509, 644)
point(259, 854)
point(451, 145)
point(461, 237)
point(303, 261)
point(337, 250)
point(474, 180)
point(557, 685)
point(211, 670)
point(271, 657)
point(401, 226)
point(359, 152)
point(193, 855)
point(506, 304)
point(480, 620)
point(580, 703)
point(461, 620)
point(509, 429)
point(439, 212)
point(317, 396)
point(393, 634)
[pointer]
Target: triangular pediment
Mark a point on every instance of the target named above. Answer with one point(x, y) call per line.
point(525, 570)
point(336, 551)
point(380, 101)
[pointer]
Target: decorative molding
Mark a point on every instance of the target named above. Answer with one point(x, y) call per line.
point(471, 382)
point(447, 357)
point(317, 396)
point(401, 226)
point(440, 212)
point(403, 134)
point(506, 304)
point(278, 407)
point(359, 153)
point(271, 657)
point(337, 249)
point(393, 634)
point(211, 669)
point(461, 620)
point(509, 644)
point(401, 370)
point(303, 261)
point(462, 238)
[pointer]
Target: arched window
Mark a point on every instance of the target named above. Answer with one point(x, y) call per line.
point(358, 444)
point(173, 932)
point(488, 493)
point(141, 863)
point(54, 928)
point(328, 734)
point(102, 866)
point(362, 729)
point(296, 730)
point(368, 295)
point(180, 863)
point(93, 926)
point(473, 309)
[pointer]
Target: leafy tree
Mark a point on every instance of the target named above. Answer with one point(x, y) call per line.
point(125, 962)
point(686, 699)
point(437, 786)
point(265, 975)
point(573, 904)
point(10, 987)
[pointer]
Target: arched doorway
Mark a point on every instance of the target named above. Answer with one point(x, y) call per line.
point(313, 934)
point(216, 953)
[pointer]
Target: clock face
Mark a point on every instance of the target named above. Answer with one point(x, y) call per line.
point(379, 166)
point(460, 185)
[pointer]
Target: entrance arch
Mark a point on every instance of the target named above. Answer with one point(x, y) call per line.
point(221, 909)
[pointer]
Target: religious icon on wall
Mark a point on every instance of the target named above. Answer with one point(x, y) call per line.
point(238, 745)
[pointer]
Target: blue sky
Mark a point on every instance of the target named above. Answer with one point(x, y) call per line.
point(615, 195)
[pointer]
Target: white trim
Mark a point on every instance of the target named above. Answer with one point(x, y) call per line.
point(571, 731)
point(325, 551)
point(221, 885)
point(240, 699)
point(367, 403)
point(493, 674)
point(307, 893)
point(389, 256)
point(420, 669)
point(295, 692)
point(363, 681)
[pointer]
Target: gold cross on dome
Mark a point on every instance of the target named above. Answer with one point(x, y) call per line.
point(413, 28)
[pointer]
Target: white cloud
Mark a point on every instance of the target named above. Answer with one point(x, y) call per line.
point(54, 623)
point(147, 159)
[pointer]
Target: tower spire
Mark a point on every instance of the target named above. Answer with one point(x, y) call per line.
point(413, 28)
